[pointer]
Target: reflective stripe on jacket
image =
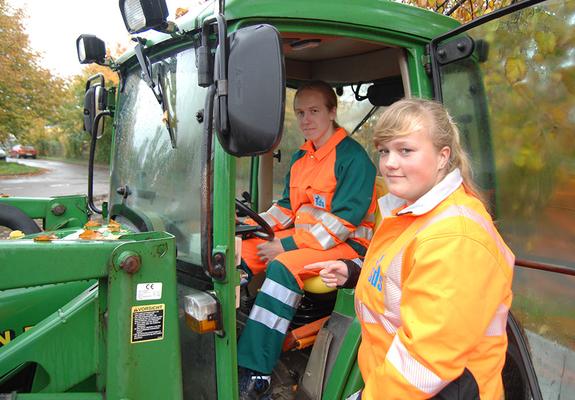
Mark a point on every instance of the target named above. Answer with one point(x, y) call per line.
point(329, 196)
point(433, 297)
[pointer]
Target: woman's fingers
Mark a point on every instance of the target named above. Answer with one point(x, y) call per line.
point(332, 273)
point(318, 265)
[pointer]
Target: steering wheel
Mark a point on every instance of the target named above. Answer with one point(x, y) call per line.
point(262, 230)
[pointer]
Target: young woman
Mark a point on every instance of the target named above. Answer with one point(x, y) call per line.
point(435, 287)
point(326, 212)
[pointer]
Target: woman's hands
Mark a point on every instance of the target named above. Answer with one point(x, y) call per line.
point(269, 250)
point(333, 273)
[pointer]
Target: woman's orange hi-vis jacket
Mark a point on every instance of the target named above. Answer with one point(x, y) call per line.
point(328, 197)
point(433, 298)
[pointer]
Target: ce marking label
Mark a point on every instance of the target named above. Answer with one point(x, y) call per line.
point(149, 291)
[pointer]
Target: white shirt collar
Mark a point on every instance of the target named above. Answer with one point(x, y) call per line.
point(425, 203)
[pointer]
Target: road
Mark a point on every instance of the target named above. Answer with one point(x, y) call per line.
point(59, 179)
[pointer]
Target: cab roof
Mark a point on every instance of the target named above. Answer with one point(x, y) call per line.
point(398, 19)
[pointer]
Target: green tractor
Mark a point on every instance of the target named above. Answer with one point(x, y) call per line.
point(148, 304)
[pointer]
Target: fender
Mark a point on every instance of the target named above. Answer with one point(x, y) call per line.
point(11, 217)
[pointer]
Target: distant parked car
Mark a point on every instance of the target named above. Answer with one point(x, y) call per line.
point(20, 151)
point(2, 154)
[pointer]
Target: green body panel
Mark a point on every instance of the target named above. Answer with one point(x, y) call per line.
point(147, 370)
point(224, 242)
point(25, 262)
point(90, 340)
point(23, 308)
point(345, 364)
point(75, 211)
point(365, 14)
point(59, 396)
point(70, 333)
point(419, 81)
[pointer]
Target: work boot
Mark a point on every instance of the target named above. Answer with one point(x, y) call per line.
point(253, 385)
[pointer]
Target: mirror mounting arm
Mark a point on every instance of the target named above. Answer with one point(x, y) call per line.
point(214, 267)
point(97, 118)
point(91, 79)
point(205, 73)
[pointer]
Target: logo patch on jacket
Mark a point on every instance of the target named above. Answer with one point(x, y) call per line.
point(318, 201)
point(375, 278)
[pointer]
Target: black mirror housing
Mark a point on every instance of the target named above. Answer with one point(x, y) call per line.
point(142, 15)
point(255, 92)
point(385, 92)
point(95, 102)
point(90, 49)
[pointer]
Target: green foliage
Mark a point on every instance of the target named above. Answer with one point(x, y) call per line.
point(74, 140)
point(38, 108)
point(461, 10)
point(532, 91)
point(29, 94)
point(13, 168)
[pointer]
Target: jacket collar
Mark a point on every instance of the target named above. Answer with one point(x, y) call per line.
point(324, 150)
point(389, 204)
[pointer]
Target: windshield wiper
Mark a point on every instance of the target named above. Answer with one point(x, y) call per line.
point(158, 91)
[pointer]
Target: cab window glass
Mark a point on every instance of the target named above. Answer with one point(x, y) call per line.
point(164, 181)
point(514, 100)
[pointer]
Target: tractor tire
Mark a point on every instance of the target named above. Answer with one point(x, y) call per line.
point(11, 217)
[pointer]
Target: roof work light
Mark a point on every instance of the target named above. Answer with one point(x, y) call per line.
point(142, 15)
point(90, 49)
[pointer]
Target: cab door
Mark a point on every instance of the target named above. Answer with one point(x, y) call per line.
point(509, 81)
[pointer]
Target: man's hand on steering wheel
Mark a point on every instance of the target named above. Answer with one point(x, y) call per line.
point(268, 251)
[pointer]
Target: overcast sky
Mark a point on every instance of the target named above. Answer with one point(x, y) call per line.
point(54, 25)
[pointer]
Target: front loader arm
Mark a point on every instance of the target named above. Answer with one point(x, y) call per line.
point(119, 337)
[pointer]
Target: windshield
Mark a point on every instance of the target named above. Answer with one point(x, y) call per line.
point(163, 181)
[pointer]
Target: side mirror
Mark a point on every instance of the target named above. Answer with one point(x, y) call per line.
point(385, 92)
point(255, 92)
point(90, 49)
point(95, 99)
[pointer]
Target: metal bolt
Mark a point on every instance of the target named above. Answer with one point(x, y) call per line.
point(130, 262)
point(58, 209)
point(124, 191)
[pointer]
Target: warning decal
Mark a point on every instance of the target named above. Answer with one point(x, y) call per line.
point(147, 323)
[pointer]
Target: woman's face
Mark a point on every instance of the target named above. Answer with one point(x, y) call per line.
point(411, 165)
point(314, 118)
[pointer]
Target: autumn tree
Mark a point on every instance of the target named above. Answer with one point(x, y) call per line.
point(461, 10)
point(29, 94)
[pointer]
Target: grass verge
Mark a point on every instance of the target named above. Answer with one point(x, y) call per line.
point(12, 168)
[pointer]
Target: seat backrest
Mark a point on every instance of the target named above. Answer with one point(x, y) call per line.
point(380, 190)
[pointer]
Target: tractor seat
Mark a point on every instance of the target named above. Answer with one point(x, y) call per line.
point(315, 285)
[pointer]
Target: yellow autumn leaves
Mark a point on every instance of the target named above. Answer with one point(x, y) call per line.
point(93, 230)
